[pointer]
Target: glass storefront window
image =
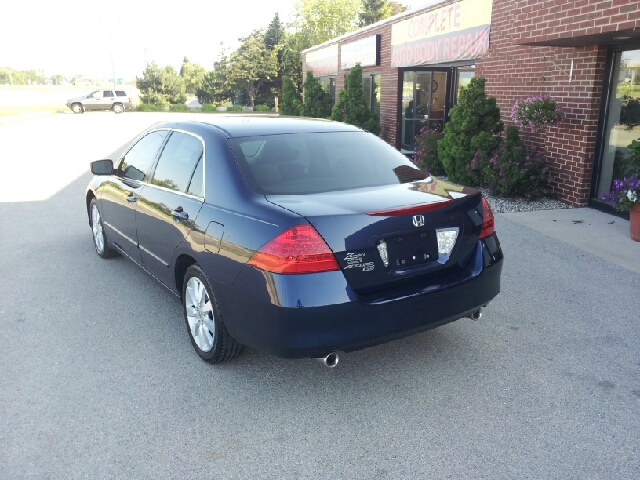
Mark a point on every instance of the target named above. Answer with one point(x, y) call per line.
point(623, 120)
point(423, 104)
point(375, 94)
point(328, 84)
point(463, 78)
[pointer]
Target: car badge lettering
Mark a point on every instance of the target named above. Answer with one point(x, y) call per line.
point(355, 260)
point(418, 220)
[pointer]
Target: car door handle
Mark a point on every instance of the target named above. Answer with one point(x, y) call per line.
point(132, 198)
point(179, 214)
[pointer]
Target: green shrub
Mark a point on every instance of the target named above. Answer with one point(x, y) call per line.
point(353, 107)
point(475, 114)
point(149, 107)
point(514, 170)
point(208, 108)
point(261, 108)
point(426, 151)
point(180, 107)
point(317, 102)
point(291, 101)
point(634, 155)
point(235, 108)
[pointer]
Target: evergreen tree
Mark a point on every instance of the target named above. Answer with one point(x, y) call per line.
point(474, 122)
point(373, 11)
point(291, 103)
point(275, 33)
point(353, 107)
point(161, 86)
point(317, 102)
point(185, 61)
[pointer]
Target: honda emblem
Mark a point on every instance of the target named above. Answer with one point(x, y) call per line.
point(418, 220)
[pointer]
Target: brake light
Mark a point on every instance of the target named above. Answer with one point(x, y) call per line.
point(487, 220)
point(298, 249)
point(415, 209)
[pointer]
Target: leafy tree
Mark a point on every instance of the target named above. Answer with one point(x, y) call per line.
point(373, 11)
point(397, 8)
point(317, 102)
point(353, 107)
point(215, 87)
point(250, 66)
point(193, 74)
point(291, 102)
point(471, 130)
point(161, 86)
point(320, 20)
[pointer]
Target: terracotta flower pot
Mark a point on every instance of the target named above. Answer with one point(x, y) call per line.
point(635, 222)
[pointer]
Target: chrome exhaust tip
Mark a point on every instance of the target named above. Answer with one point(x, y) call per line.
point(477, 315)
point(330, 360)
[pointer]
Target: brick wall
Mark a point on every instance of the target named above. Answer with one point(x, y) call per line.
point(516, 71)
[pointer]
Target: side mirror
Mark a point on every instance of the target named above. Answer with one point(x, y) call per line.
point(102, 167)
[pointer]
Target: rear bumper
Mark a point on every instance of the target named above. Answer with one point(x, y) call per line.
point(300, 316)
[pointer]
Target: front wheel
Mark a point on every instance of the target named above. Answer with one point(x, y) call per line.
point(77, 108)
point(99, 237)
point(208, 334)
point(118, 108)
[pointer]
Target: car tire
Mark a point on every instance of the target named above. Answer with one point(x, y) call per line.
point(208, 333)
point(117, 108)
point(77, 108)
point(100, 241)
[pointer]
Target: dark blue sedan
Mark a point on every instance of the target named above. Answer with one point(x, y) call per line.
point(299, 238)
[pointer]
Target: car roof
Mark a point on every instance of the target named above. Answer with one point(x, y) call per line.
point(236, 126)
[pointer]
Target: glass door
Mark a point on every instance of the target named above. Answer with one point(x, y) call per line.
point(423, 104)
point(623, 120)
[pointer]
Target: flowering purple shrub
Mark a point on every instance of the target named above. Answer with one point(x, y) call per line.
point(624, 194)
point(536, 112)
point(426, 151)
point(513, 170)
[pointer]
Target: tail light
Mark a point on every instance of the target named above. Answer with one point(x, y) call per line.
point(298, 249)
point(487, 220)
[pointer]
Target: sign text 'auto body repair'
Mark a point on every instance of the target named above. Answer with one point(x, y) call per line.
point(459, 31)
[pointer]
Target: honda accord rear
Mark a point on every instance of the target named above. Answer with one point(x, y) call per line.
point(310, 237)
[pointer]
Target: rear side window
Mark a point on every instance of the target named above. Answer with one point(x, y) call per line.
point(120, 93)
point(178, 162)
point(306, 163)
point(108, 93)
point(138, 161)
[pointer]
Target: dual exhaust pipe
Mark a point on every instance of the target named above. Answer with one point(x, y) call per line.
point(331, 360)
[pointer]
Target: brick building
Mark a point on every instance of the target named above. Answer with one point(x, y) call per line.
point(584, 53)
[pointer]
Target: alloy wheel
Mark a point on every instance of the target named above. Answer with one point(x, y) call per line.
point(200, 314)
point(96, 226)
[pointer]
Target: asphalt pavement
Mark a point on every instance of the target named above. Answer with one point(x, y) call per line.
point(98, 378)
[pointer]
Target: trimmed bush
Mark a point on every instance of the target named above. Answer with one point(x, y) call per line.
point(149, 107)
point(317, 102)
point(514, 170)
point(261, 108)
point(208, 108)
point(180, 107)
point(235, 108)
point(426, 151)
point(353, 107)
point(474, 122)
point(291, 101)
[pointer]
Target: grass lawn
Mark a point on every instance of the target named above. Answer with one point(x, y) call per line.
point(6, 110)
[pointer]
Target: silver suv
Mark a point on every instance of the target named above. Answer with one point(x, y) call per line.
point(116, 100)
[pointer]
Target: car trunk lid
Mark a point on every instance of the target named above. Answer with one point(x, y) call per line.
point(388, 236)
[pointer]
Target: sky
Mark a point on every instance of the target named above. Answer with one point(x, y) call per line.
point(70, 37)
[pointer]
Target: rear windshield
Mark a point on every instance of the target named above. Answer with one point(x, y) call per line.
point(306, 163)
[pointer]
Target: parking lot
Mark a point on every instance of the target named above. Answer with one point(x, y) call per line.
point(99, 379)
